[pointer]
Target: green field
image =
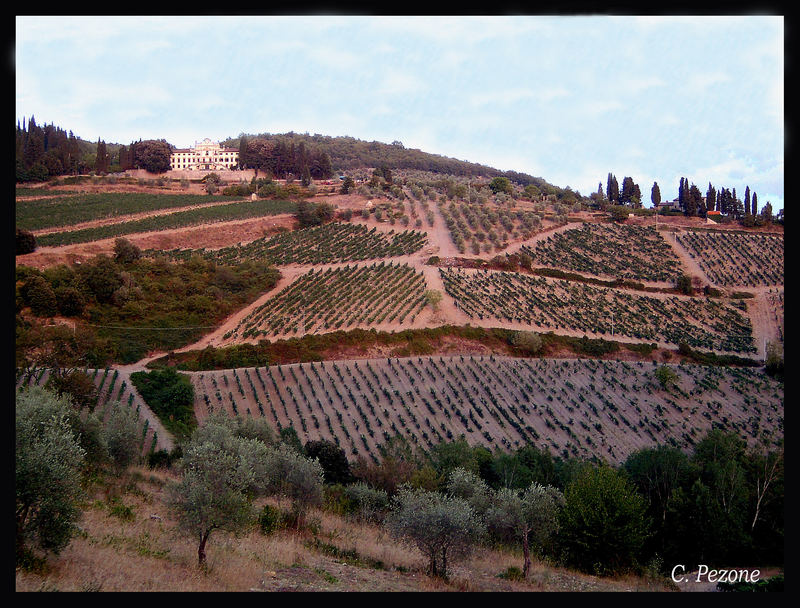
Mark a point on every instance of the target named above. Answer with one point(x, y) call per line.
point(69, 210)
point(180, 219)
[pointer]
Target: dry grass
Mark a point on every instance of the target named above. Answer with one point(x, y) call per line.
point(146, 553)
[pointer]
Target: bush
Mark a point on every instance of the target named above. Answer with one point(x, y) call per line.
point(25, 242)
point(603, 523)
point(40, 296)
point(270, 520)
point(126, 252)
point(528, 342)
point(48, 463)
point(123, 436)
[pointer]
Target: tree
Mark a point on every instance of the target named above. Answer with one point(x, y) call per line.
point(626, 195)
point(619, 213)
point(103, 160)
point(465, 484)
point(655, 195)
point(612, 190)
point(443, 528)
point(603, 522)
point(126, 252)
point(332, 459)
point(291, 475)
point(433, 297)
point(153, 155)
point(684, 284)
point(123, 436)
point(766, 212)
point(711, 198)
point(530, 516)
point(529, 342)
point(658, 473)
point(747, 210)
point(347, 185)
point(501, 184)
point(25, 242)
point(47, 473)
point(368, 504)
point(666, 376)
point(102, 278)
point(40, 296)
point(213, 492)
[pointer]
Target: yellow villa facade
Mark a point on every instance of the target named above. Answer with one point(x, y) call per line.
point(206, 155)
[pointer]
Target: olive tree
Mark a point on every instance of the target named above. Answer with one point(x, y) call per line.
point(291, 475)
point(48, 464)
point(465, 484)
point(532, 515)
point(444, 528)
point(212, 493)
point(123, 435)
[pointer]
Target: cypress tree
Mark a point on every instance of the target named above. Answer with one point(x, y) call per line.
point(711, 198)
point(655, 195)
point(747, 210)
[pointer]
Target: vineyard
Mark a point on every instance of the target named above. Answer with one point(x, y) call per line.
point(179, 219)
point(578, 407)
point(730, 259)
point(113, 387)
point(58, 211)
point(341, 298)
point(326, 244)
point(484, 228)
point(562, 305)
point(614, 250)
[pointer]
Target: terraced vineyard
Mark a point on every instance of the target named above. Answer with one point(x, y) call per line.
point(572, 407)
point(179, 219)
point(341, 298)
point(482, 228)
point(113, 386)
point(562, 305)
point(65, 209)
point(736, 259)
point(614, 250)
point(329, 243)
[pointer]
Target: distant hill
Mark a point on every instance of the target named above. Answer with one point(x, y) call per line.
point(348, 153)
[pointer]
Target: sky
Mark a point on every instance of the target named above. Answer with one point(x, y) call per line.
point(566, 98)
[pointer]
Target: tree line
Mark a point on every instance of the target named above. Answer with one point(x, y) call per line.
point(691, 201)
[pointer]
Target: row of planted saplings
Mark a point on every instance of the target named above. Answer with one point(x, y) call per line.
point(343, 297)
point(516, 297)
point(618, 251)
point(737, 259)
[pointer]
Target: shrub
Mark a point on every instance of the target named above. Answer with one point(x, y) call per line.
point(443, 528)
point(270, 520)
point(25, 242)
point(48, 463)
point(126, 252)
point(603, 524)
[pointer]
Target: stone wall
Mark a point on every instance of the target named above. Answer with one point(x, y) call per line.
point(226, 176)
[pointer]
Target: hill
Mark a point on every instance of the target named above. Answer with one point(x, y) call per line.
point(348, 153)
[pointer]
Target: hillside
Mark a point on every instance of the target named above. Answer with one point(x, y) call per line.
point(348, 154)
point(432, 312)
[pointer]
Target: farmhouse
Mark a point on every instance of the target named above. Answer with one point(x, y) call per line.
point(206, 155)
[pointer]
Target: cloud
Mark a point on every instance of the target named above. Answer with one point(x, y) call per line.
point(515, 95)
